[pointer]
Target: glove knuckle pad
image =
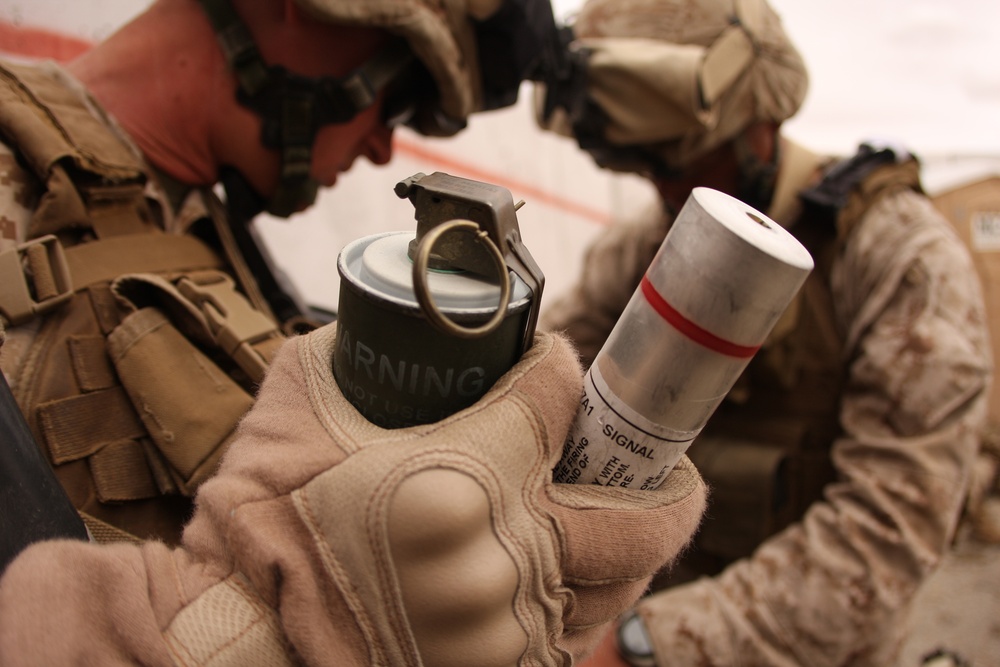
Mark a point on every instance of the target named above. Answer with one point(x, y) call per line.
point(457, 580)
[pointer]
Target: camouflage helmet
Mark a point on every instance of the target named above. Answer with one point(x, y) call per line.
point(439, 32)
point(680, 77)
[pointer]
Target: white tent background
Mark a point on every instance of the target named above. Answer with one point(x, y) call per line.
point(923, 73)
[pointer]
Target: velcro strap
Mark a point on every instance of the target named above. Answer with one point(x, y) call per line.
point(78, 426)
point(121, 472)
point(104, 260)
point(90, 363)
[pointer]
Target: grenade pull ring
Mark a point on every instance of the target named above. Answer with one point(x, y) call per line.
point(440, 199)
point(421, 262)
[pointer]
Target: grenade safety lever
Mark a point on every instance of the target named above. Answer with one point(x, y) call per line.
point(445, 204)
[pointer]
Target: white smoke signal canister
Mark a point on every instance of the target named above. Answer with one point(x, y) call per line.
point(718, 284)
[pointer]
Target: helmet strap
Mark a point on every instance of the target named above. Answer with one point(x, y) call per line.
point(293, 108)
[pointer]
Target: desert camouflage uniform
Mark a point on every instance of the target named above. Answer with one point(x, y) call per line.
point(839, 463)
point(133, 383)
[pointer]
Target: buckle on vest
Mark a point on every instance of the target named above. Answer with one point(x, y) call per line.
point(232, 321)
point(34, 278)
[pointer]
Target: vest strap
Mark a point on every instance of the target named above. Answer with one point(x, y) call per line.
point(105, 260)
point(39, 275)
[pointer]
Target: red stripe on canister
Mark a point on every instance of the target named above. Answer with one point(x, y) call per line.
point(692, 330)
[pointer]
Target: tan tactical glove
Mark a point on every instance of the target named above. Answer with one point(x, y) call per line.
point(327, 540)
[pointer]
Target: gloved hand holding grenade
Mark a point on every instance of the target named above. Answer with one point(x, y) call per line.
point(531, 568)
point(325, 539)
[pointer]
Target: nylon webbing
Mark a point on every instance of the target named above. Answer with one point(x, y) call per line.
point(105, 533)
point(45, 281)
point(101, 261)
point(117, 209)
point(244, 276)
point(91, 365)
point(105, 306)
point(121, 472)
point(78, 426)
point(237, 45)
point(165, 479)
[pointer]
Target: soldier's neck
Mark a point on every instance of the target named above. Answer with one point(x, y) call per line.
point(159, 80)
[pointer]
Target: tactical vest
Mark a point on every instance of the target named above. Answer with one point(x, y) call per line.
point(146, 355)
point(765, 453)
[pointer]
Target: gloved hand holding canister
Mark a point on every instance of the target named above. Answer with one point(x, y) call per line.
point(325, 539)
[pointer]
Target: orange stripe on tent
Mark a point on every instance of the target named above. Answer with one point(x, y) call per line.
point(40, 43)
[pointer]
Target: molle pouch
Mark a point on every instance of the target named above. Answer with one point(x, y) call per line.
point(188, 404)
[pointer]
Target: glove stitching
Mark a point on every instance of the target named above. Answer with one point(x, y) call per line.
point(463, 462)
point(554, 587)
point(301, 499)
point(182, 596)
point(518, 549)
point(579, 581)
point(264, 614)
point(310, 361)
point(378, 510)
point(518, 546)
